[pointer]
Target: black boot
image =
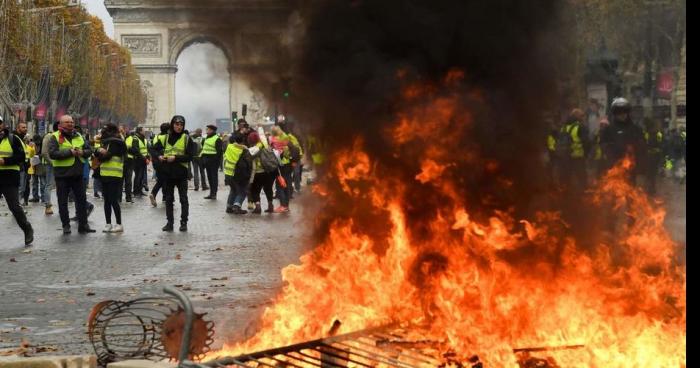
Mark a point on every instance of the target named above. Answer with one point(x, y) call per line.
point(168, 227)
point(28, 236)
point(258, 209)
point(183, 226)
point(66, 229)
point(270, 208)
point(85, 229)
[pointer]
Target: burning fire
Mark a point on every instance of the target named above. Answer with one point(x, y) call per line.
point(482, 287)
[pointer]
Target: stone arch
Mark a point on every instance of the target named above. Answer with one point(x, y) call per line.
point(157, 31)
point(182, 39)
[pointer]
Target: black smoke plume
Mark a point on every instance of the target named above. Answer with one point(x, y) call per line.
point(345, 67)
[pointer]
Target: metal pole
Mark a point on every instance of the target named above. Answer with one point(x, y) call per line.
point(189, 318)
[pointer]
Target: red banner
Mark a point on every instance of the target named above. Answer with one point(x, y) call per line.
point(664, 84)
point(40, 112)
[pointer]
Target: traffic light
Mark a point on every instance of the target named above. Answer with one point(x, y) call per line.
point(234, 116)
point(244, 110)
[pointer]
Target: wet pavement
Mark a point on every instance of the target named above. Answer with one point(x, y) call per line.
point(229, 265)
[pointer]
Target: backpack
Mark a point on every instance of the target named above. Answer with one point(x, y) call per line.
point(268, 160)
point(294, 152)
point(243, 168)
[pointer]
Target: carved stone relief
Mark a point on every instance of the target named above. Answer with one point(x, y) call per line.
point(150, 102)
point(143, 45)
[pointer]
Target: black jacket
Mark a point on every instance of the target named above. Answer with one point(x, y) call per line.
point(620, 139)
point(57, 153)
point(173, 170)
point(11, 177)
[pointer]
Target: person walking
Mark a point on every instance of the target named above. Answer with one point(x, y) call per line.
point(12, 155)
point(212, 151)
point(174, 152)
point(157, 166)
point(21, 133)
point(68, 152)
point(111, 157)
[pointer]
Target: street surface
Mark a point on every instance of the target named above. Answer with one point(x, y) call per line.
point(229, 266)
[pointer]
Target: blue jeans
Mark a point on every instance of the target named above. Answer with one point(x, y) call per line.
point(237, 195)
point(284, 194)
point(47, 185)
point(22, 183)
point(35, 186)
point(96, 185)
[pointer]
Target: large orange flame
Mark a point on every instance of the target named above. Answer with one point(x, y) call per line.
point(485, 287)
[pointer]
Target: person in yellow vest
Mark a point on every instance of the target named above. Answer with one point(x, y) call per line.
point(212, 151)
point(174, 152)
point(279, 141)
point(296, 159)
point(654, 139)
point(12, 155)
point(598, 157)
point(164, 128)
point(264, 171)
point(238, 169)
point(30, 151)
point(96, 183)
point(68, 152)
point(574, 135)
point(135, 163)
point(21, 133)
point(110, 155)
point(552, 162)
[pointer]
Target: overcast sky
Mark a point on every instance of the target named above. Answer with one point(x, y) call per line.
point(201, 83)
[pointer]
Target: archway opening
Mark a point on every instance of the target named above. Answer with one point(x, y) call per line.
point(202, 85)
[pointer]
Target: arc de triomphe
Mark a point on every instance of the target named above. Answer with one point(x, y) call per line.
point(250, 32)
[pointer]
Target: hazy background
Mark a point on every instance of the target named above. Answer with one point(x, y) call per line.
point(201, 83)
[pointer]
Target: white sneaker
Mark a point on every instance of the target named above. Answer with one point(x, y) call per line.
point(117, 229)
point(107, 229)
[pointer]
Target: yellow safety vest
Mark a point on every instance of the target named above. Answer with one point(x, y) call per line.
point(551, 143)
point(6, 151)
point(76, 142)
point(142, 146)
point(175, 150)
point(114, 167)
point(314, 146)
point(598, 149)
point(576, 144)
point(209, 145)
point(26, 150)
point(659, 139)
point(295, 141)
point(231, 156)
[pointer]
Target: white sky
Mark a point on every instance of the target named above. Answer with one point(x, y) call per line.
point(201, 83)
